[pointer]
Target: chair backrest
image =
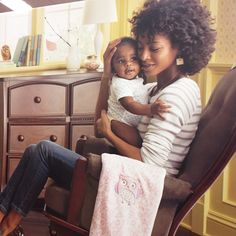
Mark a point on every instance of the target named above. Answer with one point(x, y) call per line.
point(216, 133)
point(213, 146)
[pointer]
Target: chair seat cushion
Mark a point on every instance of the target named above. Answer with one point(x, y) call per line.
point(176, 189)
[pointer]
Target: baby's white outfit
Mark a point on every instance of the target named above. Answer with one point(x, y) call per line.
point(126, 88)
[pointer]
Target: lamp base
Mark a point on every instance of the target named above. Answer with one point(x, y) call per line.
point(98, 42)
point(73, 59)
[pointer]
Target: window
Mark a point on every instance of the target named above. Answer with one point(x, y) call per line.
point(65, 20)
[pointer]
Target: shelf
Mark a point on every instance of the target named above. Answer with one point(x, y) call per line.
point(48, 69)
point(27, 70)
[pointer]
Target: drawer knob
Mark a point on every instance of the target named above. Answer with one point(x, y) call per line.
point(21, 138)
point(37, 99)
point(53, 138)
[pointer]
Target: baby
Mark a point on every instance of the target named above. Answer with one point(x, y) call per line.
point(128, 99)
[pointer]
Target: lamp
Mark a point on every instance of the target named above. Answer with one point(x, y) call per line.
point(97, 12)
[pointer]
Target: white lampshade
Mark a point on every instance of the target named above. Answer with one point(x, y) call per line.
point(99, 11)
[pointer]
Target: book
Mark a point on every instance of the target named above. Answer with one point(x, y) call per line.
point(22, 57)
point(35, 50)
point(18, 48)
point(38, 50)
point(31, 51)
point(28, 51)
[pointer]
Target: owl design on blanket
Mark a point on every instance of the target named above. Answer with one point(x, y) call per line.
point(129, 189)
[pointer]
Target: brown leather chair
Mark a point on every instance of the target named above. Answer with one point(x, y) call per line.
point(70, 212)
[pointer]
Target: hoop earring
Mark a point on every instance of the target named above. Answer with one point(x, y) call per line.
point(179, 61)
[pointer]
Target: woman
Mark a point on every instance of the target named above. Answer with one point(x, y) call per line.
point(175, 40)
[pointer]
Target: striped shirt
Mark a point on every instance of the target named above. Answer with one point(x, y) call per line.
point(166, 142)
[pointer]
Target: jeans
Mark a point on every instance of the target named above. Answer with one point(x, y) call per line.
point(39, 161)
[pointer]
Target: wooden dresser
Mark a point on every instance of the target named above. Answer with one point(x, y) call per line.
point(54, 105)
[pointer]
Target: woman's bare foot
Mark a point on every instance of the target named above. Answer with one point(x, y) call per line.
point(10, 222)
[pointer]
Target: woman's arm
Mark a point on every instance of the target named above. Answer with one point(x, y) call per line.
point(105, 81)
point(104, 127)
point(102, 96)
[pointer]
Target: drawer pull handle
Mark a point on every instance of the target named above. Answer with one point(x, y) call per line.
point(53, 138)
point(37, 99)
point(21, 138)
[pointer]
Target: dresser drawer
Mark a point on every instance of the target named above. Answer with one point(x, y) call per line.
point(84, 97)
point(78, 130)
point(35, 100)
point(20, 136)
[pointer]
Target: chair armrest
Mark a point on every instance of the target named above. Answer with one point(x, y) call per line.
point(81, 171)
point(78, 185)
point(80, 144)
point(176, 189)
point(91, 144)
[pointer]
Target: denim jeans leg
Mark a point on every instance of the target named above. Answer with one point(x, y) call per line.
point(46, 160)
point(8, 192)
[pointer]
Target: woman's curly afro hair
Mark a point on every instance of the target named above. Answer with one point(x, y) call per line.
point(186, 23)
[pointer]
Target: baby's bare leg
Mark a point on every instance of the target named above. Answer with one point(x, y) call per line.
point(127, 133)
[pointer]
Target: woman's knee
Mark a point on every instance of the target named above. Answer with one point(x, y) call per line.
point(44, 144)
point(38, 152)
point(28, 153)
point(29, 150)
point(45, 147)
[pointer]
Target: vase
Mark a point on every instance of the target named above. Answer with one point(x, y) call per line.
point(73, 59)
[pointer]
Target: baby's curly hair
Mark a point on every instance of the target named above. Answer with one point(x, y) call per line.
point(186, 23)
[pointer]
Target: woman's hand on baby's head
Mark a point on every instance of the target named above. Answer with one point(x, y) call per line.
point(107, 56)
point(159, 108)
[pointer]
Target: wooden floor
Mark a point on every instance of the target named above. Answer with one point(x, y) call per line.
point(36, 224)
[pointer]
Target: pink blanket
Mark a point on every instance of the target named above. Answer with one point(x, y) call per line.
point(128, 198)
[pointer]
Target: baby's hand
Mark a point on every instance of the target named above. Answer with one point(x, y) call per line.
point(159, 107)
